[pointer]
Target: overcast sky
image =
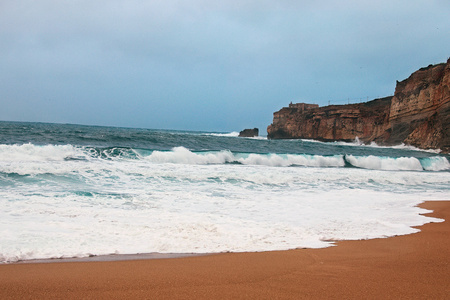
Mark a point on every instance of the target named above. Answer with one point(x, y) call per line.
point(203, 64)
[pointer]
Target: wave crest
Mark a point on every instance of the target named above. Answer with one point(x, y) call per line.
point(11, 154)
point(182, 155)
point(371, 162)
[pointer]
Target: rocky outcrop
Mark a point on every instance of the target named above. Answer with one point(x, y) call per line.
point(367, 121)
point(249, 132)
point(418, 114)
point(420, 109)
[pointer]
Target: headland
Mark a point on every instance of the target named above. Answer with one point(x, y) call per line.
point(418, 114)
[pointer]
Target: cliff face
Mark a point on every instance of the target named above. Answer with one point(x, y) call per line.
point(367, 121)
point(420, 109)
point(418, 114)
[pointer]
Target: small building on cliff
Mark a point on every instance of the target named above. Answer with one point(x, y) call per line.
point(301, 107)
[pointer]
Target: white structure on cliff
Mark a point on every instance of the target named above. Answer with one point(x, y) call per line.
point(301, 107)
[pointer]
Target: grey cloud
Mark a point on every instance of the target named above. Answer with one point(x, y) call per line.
point(182, 57)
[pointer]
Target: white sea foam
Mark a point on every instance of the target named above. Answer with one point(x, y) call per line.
point(13, 157)
point(385, 163)
point(401, 146)
point(184, 201)
point(181, 155)
point(401, 163)
point(30, 152)
point(357, 142)
point(236, 134)
point(407, 147)
point(287, 160)
point(184, 156)
point(435, 164)
point(229, 134)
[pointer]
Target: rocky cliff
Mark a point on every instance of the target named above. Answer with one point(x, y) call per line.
point(367, 121)
point(417, 114)
point(420, 109)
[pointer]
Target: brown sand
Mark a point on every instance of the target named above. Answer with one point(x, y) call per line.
point(415, 266)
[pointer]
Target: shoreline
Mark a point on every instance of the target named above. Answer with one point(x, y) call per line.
point(108, 257)
point(407, 266)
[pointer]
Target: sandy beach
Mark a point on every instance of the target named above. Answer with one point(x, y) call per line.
point(415, 266)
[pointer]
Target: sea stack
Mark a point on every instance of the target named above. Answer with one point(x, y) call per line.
point(249, 132)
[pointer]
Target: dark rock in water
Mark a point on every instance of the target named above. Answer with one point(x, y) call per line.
point(249, 132)
point(418, 114)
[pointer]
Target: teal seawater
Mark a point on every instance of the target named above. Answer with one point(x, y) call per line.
point(73, 190)
point(101, 138)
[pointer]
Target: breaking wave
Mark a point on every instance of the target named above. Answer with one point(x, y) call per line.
point(143, 191)
point(229, 134)
point(182, 155)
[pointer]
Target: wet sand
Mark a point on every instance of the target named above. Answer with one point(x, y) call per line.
point(415, 266)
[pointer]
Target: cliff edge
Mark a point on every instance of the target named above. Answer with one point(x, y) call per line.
point(418, 114)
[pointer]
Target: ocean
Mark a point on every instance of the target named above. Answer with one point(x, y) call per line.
point(78, 191)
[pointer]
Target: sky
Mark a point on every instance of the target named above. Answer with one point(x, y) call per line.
point(207, 65)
